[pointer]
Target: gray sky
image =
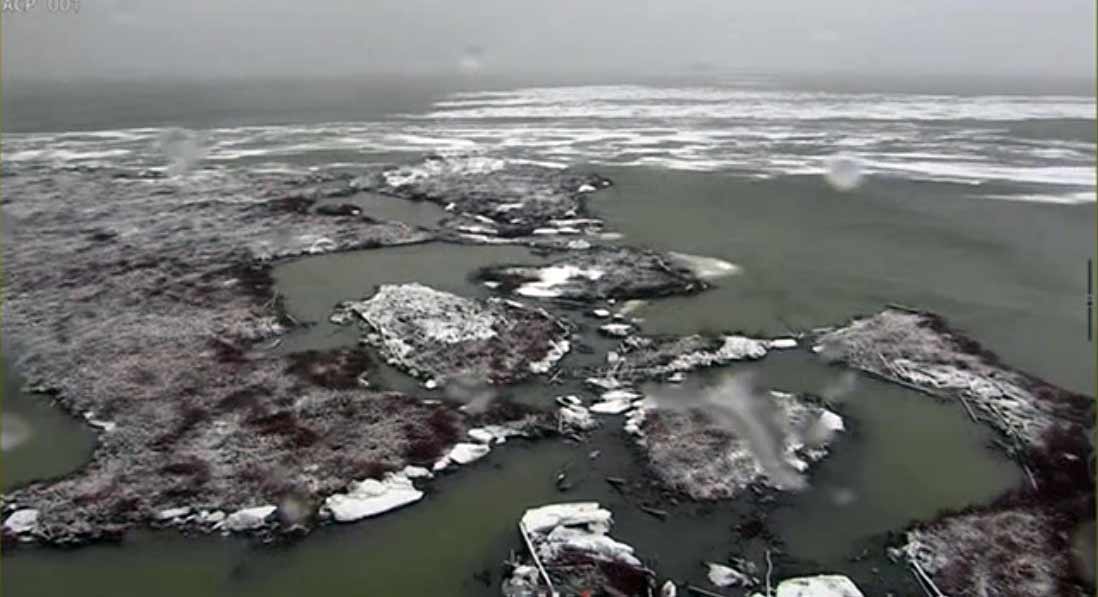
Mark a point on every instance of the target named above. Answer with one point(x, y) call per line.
point(215, 38)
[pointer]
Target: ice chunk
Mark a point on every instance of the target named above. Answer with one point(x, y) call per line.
point(577, 417)
point(22, 521)
point(706, 267)
point(107, 426)
point(249, 518)
point(824, 585)
point(372, 497)
point(611, 407)
point(563, 539)
point(465, 453)
point(619, 330)
point(783, 343)
point(416, 472)
point(620, 394)
point(545, 518)
point(493, 433)
point(215, 517)
point(172, 513)
point(726, 576)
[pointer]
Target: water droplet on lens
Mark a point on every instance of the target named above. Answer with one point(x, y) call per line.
point(14, 431)
point(844, 172)
point(472, 60)
point(183, 148)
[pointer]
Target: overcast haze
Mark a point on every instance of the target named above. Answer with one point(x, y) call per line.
point(217, 38)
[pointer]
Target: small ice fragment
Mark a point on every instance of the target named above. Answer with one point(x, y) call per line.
point(464, 453)
point(249, 518)
point(172, 513)
point(782, 343)
point(22, 521)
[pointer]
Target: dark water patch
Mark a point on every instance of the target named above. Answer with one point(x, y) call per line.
point(382, 207)
point(51, 443)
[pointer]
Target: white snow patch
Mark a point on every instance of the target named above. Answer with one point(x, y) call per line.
point(605, 383)
point(438, 316)
point(615, 402)
point(549, 278)
point(432, 168)
point(620, 394)
point(215, 517)
point(635, 420)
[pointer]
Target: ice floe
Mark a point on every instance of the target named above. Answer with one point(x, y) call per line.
point(371, 497)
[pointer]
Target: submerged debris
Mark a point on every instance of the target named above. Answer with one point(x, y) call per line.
point(598, 273)
point(569, 552)
point(438, 335)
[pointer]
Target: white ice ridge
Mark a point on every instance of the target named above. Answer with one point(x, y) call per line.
point(741, 128)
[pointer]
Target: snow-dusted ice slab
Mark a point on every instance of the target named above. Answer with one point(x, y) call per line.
point(438, 336)
point(465, 453)
point(544, 518)
point(372, 497)
point(570, 545)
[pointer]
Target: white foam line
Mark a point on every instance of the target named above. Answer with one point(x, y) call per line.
point(1065, 199)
